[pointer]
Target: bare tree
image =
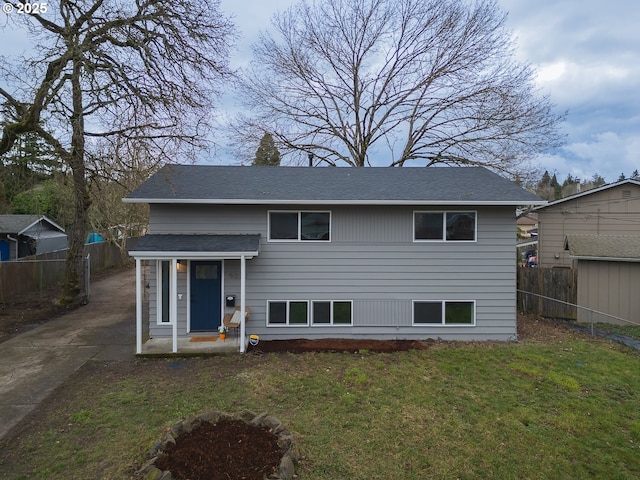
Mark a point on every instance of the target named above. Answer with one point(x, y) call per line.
point(138, 69)
point(431, 81)
point(115, 170)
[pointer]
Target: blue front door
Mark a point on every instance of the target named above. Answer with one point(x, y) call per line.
point(206, 295)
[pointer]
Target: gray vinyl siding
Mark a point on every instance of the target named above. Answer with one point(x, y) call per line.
point(372, 261)
point(615, 211)
point(165, 330)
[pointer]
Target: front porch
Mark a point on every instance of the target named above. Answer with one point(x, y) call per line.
point(163, 347)
point(192, 287)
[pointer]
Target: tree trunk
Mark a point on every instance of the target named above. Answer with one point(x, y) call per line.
point(73, 291)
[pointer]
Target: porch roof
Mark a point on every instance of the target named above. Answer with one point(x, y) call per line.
point(192, 246)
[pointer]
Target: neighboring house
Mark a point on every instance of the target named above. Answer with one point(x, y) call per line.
point(608, 276)
point(612, 209)
point(25, 235)
point(527, 226)
point(527, 235)
point(381, 253)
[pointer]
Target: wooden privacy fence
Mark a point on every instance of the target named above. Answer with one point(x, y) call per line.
point(554, 283)
point(40, 272)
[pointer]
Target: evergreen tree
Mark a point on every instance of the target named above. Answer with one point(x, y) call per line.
point(24, 167)
point(557, 188)
point(622, 177)
point(267, 153)
point(635, 175)
point(545, 181)
point(569, 180)
point(598, 180)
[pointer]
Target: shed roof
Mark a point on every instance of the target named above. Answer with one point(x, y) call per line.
point(623, 248)
point(196, 246)
point(330, 185)
point(17, 224)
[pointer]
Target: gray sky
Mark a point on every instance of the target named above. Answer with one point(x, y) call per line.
point(586, 53)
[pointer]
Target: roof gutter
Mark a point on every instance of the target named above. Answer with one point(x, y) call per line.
point(210, 201)
point(605, 259)
point(164, 255)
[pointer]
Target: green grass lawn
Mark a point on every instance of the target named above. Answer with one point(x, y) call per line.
point(567, 409)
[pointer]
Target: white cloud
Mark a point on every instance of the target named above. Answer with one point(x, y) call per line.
point(587, 57)
point(609, 154)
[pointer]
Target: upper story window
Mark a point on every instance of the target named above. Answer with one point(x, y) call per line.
point(299, 226)
point(444, 226)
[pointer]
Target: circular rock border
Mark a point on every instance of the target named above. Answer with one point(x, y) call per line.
point(286, 470)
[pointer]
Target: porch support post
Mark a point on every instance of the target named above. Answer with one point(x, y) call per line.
point(138, 306)
point(174, 302)
point(243, 302)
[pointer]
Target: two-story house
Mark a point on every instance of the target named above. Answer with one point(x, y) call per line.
point(380, 253)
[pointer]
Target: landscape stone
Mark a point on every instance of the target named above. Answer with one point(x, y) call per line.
point(284, 439)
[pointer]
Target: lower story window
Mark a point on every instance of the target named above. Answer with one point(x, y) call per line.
point(288, 313)
point(331, 313)
point(444, 313)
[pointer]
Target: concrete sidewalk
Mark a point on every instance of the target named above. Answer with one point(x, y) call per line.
point(33, 364)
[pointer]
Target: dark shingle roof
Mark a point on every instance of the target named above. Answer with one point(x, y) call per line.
point(620, 247)
point(19, 223)
point(370, 185)
point(201, 243)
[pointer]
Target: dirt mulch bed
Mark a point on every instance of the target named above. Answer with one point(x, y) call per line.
point(227, 449)
point(302, 345)
point(529, 328)
point(538, 329)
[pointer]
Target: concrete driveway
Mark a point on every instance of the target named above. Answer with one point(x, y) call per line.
point(33, 364)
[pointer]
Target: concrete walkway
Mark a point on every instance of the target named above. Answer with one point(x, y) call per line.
point(33, 364)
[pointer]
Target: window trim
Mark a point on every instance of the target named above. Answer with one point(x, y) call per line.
point(299, 239)
point(160, 293)
point(443, 310)
point(288, 313)
point(331, 314)
point(444, 227)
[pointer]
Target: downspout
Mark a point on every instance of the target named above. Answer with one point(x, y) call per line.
point(14, 240)
point(243, 302)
